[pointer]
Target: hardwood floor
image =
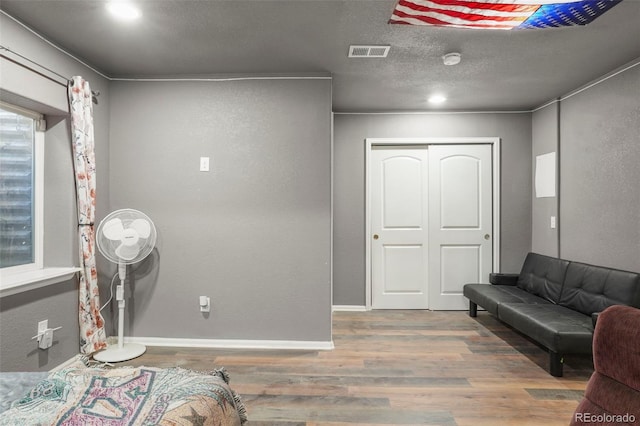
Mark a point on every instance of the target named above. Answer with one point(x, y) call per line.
point(398, 368)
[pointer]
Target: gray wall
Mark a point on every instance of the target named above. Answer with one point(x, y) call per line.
point(254, 232)
point(545, 132)
point(600, 173)
point(350, 132)
point(19, 314)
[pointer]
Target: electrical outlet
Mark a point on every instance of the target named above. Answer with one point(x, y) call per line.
point(45, 334)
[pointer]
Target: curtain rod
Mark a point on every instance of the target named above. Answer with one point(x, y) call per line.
point(94, 94)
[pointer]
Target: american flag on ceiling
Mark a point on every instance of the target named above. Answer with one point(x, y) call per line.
point(499, 14)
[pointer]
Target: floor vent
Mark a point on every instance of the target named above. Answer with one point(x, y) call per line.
point(360, 51)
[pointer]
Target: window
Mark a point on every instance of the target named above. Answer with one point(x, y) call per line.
point(22, 187)
point(20, 200)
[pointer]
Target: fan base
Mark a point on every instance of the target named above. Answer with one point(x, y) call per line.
point(115, 354)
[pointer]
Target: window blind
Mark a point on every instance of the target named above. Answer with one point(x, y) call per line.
point(17, 142)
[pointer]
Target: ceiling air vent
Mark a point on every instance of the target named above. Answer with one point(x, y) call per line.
point(368, 51)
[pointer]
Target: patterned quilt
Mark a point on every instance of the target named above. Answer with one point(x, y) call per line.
point(128, 396)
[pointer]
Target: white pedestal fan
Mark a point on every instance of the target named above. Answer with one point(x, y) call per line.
point(124, 237)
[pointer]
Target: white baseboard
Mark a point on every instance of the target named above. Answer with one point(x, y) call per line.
point(66, 363)
point(349, 308)
point(232, 343)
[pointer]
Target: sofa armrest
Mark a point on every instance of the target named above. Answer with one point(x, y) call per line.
point(503, 279)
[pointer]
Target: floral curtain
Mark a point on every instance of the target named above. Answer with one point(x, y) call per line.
point(92, 334)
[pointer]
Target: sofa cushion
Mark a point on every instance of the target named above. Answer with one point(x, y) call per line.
point(590, 289)
point(543, 276)
point(491, 296)
point(560, 329)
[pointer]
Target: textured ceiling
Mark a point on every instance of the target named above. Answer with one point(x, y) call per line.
point(500, 70)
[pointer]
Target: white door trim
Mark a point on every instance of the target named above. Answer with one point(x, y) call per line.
point(495, 150)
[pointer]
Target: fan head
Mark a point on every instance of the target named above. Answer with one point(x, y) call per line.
point(126, 236)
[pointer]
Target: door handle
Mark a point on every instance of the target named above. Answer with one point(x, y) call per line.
point(375, 236)
point(487, 236)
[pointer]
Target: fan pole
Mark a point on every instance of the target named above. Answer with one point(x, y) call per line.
point(122, 273)
point(122, 352)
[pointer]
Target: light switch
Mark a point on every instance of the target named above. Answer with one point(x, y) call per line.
point(553, 222)
point(204, 164)
point(205, 304)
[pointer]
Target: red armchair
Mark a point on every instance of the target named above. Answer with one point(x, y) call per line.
point(612, 396)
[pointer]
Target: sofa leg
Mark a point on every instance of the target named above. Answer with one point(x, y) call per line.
point(555, 364)
point(473, 309)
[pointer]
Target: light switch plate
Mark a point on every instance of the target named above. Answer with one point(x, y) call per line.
point(553, 222)
point(204, 164)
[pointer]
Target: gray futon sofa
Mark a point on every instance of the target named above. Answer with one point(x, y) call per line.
point(555, 302)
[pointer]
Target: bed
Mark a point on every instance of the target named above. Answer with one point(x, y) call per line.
point(80, 395)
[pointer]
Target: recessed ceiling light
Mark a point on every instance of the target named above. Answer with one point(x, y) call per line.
point(437, 99)
point(123, 10)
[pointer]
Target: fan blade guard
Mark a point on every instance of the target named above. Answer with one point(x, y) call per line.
point(126, 236)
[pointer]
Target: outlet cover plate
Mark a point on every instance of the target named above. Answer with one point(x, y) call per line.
point(42, 326)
